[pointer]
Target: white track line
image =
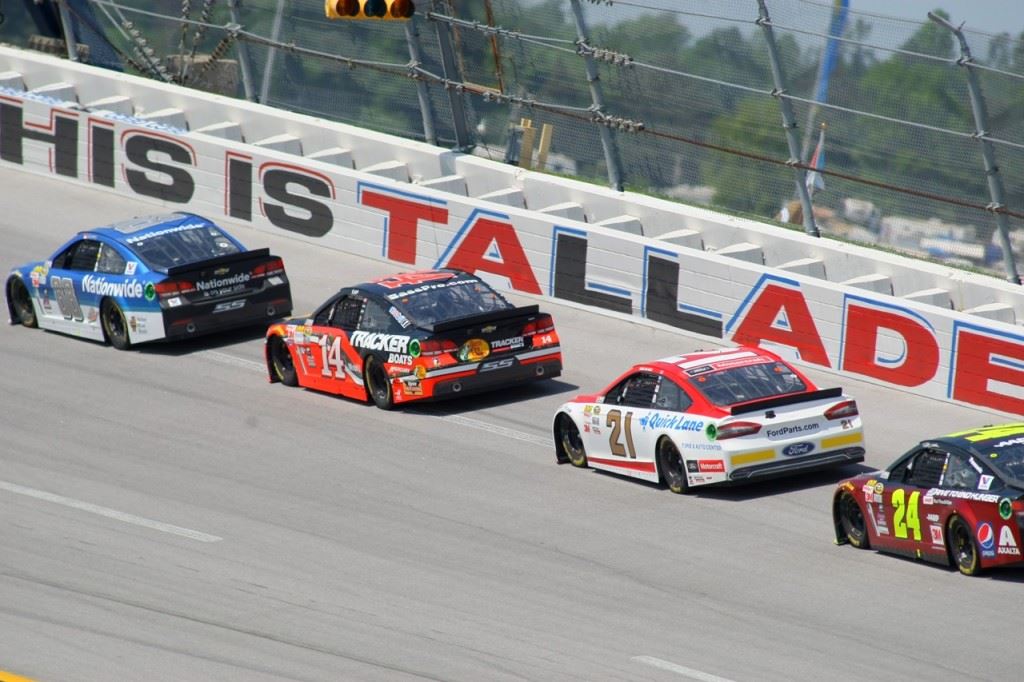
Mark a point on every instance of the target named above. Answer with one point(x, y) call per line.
point(227, 359)
point(679, 669)
point(109, 513)
point(500, 430)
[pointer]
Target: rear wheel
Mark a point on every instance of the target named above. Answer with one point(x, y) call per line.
point(24, 313)
point(851, 518)
point(378, 385)
point(670, 465)
point(962, 549)
point(115, 327)
point(281, 362)
point(570, 444)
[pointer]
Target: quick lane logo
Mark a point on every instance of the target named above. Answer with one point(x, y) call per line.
point(240, 278)
point(100, 286)
point(391, 343)
point(675, 422)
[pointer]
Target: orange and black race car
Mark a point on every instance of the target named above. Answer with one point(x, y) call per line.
point(414, 336)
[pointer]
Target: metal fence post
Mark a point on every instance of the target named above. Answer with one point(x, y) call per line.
point(611, 150)
point(70, 41)
point(275, 37)
point(243, 52)
point(995, 180)
point(449, 66)
point(788, 119)
point(412, 37)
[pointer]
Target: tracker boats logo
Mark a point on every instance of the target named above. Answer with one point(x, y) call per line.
point(391, 343)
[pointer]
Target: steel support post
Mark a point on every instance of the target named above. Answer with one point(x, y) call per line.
point(463, 138)
point(242, 48)
point(412, 37)
point(608, 142)
point(70, 41)
point(995, 180)
point(788, 119)
point(275, 37)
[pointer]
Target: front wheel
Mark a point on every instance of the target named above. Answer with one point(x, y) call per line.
point(962, 550)
point(115, 327)
point(24, 313)
point(570, 444)
point(281, 362)
point(852, 521)
point(378, 385)
point(670, 464)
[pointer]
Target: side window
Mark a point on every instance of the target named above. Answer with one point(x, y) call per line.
point(110, 262)
point(377, 319)
point(963, 474)
point(640, 390)
point(926, 469)
point(84, 256)
point(79, 256)
point(614, 396)
point(323, 318)
point(671, 397)
point(347, 312)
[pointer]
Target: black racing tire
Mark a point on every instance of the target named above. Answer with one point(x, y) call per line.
point(852, 522)
point(963, 550)
point(569, 446)
point(378, 385)
point(115, 326)
point(281, 362)
point(21, 302)
point(671, 467)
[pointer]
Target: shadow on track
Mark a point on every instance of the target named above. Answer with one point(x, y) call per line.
point(535, 390)
point(212, 341)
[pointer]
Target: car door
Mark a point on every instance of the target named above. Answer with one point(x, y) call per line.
point(616, 436)
point(901, 518)
point(329, 361)
point(61, 292)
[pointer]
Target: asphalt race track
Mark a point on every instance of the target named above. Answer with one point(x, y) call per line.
point(167, 514)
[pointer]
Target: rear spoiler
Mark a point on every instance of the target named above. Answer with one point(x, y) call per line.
point(482, 318)
point(219, 260)
point(768, 403)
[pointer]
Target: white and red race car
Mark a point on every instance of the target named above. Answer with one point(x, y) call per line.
point(710, 417)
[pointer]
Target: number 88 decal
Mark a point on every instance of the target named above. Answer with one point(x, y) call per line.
point(905, 514)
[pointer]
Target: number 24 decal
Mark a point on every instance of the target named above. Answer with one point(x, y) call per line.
point(615, 422)
point(905, 513)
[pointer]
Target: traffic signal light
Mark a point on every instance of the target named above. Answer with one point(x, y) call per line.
point(369, 9)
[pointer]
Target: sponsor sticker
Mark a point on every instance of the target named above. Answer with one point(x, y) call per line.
point(711, 466)
point(130, 267)
point(399, 317)
point(391, 343)
point(101, 286)
point(986, 538)
point(1005, 509)
point(670, 422)
point(936, 532)
point(797, 449)
point(985, 482)
point(791, 430)
point(1007, 543)
point(512, 343)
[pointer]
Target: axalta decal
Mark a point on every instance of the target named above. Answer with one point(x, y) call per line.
point(101, 286)
point(391, 343)
point(240, 278)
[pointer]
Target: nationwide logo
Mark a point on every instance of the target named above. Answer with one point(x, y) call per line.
point(391, 343)
point(220, 283)
point(101, 286)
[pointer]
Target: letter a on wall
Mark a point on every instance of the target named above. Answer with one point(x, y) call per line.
point(488, 243)
point(775, 311)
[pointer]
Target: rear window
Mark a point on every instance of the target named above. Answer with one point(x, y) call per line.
point(1006, 457)
point(181, 245)
point(746, 383)
point(438, 302)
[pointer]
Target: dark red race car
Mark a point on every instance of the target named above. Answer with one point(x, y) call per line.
point(414, 336)
point(958, 500)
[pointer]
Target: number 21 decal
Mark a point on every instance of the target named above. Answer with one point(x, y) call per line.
point(615, 422)
point(905, 514)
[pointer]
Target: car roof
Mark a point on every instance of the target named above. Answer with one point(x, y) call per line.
point(405, 283)
point(984, 437)
point(126, 232)
point(699, 362)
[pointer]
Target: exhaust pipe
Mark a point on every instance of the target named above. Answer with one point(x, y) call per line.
point(540, 371)
point(271, 311)
point(191, 328)
point(456, 387)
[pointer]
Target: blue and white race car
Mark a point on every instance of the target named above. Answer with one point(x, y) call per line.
point(168, 276)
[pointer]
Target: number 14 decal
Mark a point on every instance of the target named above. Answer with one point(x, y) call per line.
point(331, 358)
point(905, 513)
